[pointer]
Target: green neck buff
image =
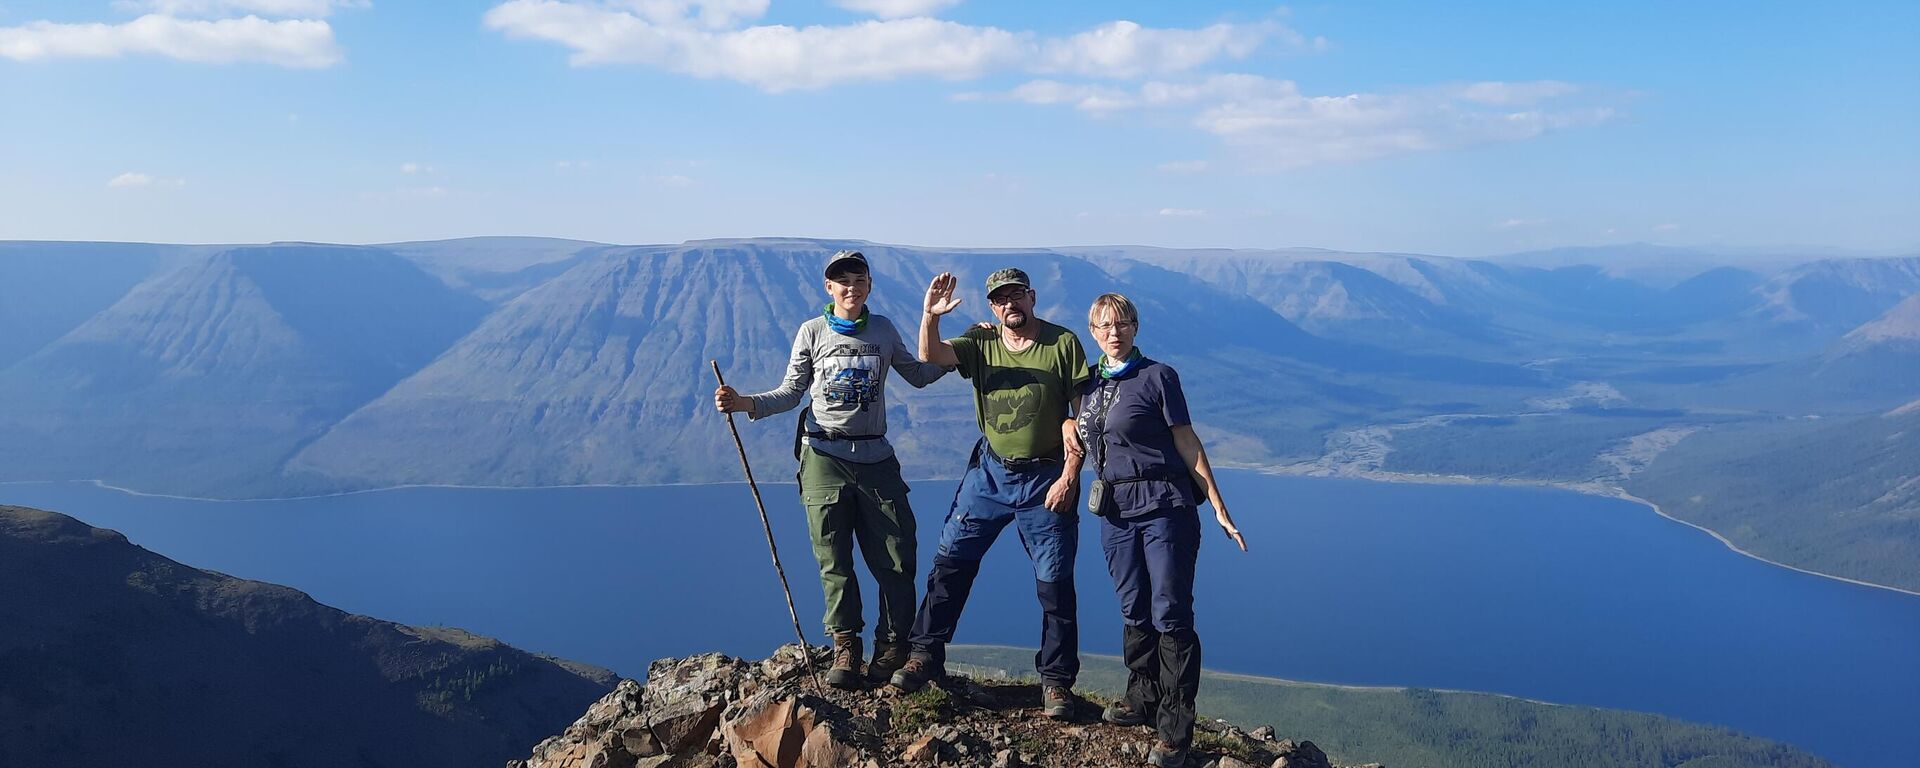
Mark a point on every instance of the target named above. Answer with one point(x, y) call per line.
point(843, 326)
point(1111, 370)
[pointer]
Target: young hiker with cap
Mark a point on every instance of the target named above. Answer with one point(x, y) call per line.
point(1151, 473)
point(849, 479)
point(1025, 374)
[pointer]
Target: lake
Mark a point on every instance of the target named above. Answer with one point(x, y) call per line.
point(1538, 593)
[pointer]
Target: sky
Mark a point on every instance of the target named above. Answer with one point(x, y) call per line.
point(1464, 129)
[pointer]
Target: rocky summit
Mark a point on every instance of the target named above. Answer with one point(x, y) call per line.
point(715, 711)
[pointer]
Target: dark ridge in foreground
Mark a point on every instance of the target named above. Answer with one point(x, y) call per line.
point(112, 655)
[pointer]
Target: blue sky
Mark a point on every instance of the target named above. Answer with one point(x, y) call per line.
point(1469, 129)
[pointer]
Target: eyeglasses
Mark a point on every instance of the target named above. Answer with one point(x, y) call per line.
point(1008, 298)
point(1123, 325)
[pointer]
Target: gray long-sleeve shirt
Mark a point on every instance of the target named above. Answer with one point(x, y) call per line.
point(846, 379)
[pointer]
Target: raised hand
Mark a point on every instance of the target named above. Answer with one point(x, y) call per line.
point(940, 298)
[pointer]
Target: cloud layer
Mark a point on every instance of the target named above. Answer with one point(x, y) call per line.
point(288, 33)
point(302, 43)
point(1283, 128)
point(705, 38)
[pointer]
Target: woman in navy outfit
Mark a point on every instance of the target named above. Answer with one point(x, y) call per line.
point(1134, 429)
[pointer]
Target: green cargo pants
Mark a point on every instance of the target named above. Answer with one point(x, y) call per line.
point(848, 502)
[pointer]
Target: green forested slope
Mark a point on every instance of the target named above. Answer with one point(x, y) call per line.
point(1414, 728)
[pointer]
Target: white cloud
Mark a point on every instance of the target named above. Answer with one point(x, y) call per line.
point(1282, 127)
point(134, 179)
point(1182, 213)
point(1184, 166)
point(412, 168)
point(897, 9)
point(280, 9)
point(703, 39)
point(301, 43)
point(1124, 49)
point(1665, 227)
point(1521, 224)
point(673, 180)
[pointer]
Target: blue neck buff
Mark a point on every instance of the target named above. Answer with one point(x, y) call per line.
point(846, 327)
point(1112, 370)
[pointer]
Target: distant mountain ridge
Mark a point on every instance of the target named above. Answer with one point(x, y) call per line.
point(114, 655)
point(291, 368)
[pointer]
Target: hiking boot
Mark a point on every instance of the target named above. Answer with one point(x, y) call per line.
point(915, 673)
point(1123, 713)
point(1164, 755)
point(846, 671)
point(1056, 702)
point(888, 658)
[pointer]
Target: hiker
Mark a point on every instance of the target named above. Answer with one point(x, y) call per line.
point(849, 478)
point(1151, 474)
point(1025, 373)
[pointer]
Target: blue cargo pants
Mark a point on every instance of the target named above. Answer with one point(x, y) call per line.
point(992, 495)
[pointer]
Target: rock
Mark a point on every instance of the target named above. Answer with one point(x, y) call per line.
point(767, 731)
point(1006, 758)
point(1301, 755)
point(1263, 733)
point(823, 749)
point(684, 698)
point(1229, 761)
point(923, 751)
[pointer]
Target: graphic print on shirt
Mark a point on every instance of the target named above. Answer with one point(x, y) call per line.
point(852, 374)
point(1011, 399)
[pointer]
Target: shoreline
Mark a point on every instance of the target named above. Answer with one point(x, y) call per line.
point(1587, 488)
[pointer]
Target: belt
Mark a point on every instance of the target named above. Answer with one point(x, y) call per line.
point(1019, 465)
point(840, 436)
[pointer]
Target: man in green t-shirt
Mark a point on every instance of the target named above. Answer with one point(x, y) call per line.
point(1025, 374)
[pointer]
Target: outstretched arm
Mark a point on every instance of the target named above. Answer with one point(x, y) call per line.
point(1195, 456)
point(940, 301)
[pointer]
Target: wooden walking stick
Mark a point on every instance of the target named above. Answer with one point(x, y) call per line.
point(806, 652)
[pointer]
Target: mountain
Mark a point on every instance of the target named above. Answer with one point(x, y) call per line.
point(600, 375)
point(713, 711)
point(1835, 295)
point(114, 655)
point(48, 288)
point(210, 374)
point(1662, 266)
point(1840, 496)
point(495, 268)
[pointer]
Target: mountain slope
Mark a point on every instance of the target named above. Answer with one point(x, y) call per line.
point(1837, 497)
point(601, 376)
point(47, 289)
point(1836, 295)
point(211, 374)
point(114, 655)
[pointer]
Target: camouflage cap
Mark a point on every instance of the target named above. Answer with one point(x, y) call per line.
point(839, 259)
point(1005, 277)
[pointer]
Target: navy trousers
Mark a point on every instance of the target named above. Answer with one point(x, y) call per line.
point(1151, 560)
point(989, 498)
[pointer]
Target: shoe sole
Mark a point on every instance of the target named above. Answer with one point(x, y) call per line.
point(1059, 712)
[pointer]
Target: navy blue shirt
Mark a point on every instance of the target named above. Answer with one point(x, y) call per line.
point(1137, 434)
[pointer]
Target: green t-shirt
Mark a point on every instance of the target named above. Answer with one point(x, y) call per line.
point(1021, 397)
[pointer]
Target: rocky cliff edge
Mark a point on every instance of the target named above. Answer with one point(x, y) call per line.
point(715, 711)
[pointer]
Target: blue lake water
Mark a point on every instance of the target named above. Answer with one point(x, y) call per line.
point(1537, 593)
